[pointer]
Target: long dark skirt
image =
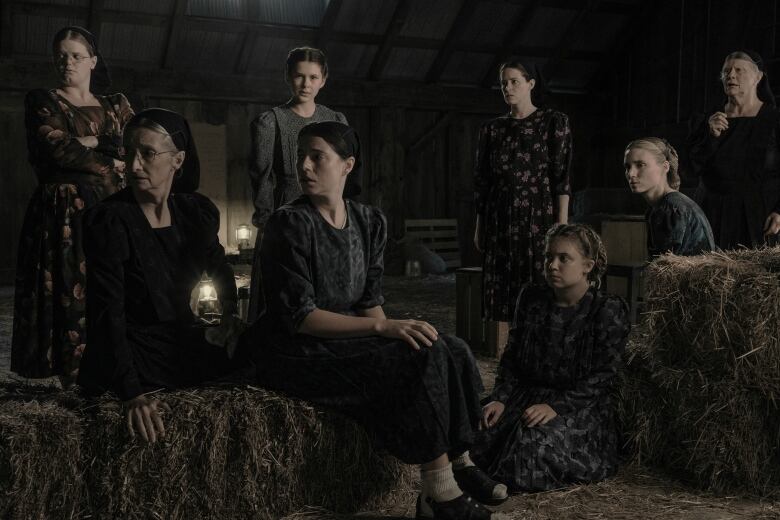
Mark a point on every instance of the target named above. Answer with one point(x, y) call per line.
point(416, 404)
point(573, 448)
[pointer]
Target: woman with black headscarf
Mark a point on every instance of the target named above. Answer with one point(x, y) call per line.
point(521, 181)
point(73, 137)
point(734, 151)
point(326, 339)
point(147, 248)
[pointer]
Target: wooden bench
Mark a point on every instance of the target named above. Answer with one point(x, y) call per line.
point(438, 235)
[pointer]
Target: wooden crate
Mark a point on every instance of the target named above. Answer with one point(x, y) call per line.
point(486, 336)
point(438, 235)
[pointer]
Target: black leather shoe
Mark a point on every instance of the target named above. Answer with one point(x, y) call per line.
point(479, 485)
point(462, 508)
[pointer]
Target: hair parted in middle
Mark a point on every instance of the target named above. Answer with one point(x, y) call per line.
point(662, 151)
point(589, 243)
point(300, 54)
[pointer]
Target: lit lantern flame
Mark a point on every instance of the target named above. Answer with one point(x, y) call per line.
point(207, 291)
point(243, 236)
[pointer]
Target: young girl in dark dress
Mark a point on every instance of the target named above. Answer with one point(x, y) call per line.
point(550, 419)
point(73, 136)
point(326, 339)
point(147, 248)
point(675, 223)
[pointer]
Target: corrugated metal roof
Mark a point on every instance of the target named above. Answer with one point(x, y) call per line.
point(431, 19)
point(76, 3)
point(467, 68)
point(122, 41)
point(547, 26)
point(365, 16)
point(140, 6)
point(300, 12)
point(32, 34)
point(405, 63)
point(491, 22)
point(348, 60)
point(269, 54)
point(207, 50)
point(217, 8)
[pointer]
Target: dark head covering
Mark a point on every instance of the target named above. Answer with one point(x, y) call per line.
point(345, 142)
point(763, 89)
point(533, 72)
point(100, 79)
point(188, 177)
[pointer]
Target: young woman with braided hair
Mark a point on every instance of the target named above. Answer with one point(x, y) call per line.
point(549, 421)
point(675, 223)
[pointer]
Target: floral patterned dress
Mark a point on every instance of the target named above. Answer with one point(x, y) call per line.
point(567, 358)
point(521, 166)
point(49, 306)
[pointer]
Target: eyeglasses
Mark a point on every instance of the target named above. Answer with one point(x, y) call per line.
point(147, 155)
point(64, 57)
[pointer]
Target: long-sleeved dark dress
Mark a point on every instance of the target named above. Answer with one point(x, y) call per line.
point(417, 404)
point(522, 165)
point(140, 325)
point(48, 332)
point(566, 357)
point(739, 175)
point(677, 224)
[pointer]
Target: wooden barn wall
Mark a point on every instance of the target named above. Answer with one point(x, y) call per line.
point(667, 72)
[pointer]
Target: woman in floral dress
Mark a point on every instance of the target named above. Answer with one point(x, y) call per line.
point(522, 188)
point(73, 139)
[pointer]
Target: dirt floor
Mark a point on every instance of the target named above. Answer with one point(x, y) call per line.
point(636, 493)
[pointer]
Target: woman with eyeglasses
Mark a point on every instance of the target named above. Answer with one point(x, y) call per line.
point(146, 249)
point(73, 137)
point(735, 152)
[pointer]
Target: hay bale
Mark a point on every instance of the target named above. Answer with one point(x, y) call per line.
point(228, 453)
point(699, 397)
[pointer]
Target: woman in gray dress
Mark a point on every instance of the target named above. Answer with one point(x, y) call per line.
point(326, 339)
point(275, 142)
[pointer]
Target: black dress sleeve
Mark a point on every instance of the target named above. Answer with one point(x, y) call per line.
point(701, 144)
point(611, 333)
point(560, 148)
point(107, 363)
point(261, 166)
point(372, 294)
point(217, 266)
point(507, 381)
point(285, 256)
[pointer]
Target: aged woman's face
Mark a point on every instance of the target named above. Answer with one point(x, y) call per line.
point(151, 160)
point(73, 62)
point(740, 77)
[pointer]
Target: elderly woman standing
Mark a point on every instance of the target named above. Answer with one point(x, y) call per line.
point(73, 137)
point(522, 188)
point(734, 150)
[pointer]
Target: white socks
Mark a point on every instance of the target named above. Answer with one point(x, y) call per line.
point(440, 485)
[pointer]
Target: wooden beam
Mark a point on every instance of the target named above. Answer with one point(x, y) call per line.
point(95, 22)
point(624, 44)
point(327, 24)
point(393, 30)
point(511, 41)
point(6, 28)
point(175, 25)
point(606, 7)
point(248, 41)
point(564, 44)
point(440, 124)
point(453, 35)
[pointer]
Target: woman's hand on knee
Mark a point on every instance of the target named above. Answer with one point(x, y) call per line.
point(144, 415)
point(413, 332)
point(772, 224)
point(538, 414)
point(491, 413)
